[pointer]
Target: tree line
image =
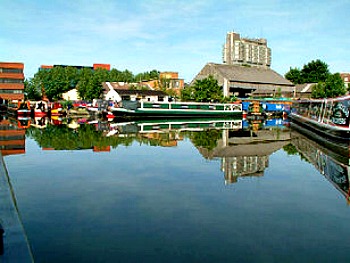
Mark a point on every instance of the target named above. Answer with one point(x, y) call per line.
point(327, 85)
point(55, 81)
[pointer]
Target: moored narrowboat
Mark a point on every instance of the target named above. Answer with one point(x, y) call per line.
point(329, 117)
point(40, 108)
point(56, 109)
point(147, 110)
point(19, 108)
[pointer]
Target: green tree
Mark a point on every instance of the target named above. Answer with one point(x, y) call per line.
point(294, 75)
point(332, 87)
point(114, 75)
point(290, 149)
point(43, 81)
point(85, 76)
point(126, 76)
point(187, 93)
point(206, 90)
point(58, 80)
point(312, 72)
point(315, 71)
point(206, 139)
point(31, 90)
point(154, 74)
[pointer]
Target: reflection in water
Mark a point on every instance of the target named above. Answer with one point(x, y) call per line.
point(130, 206)
point(243, 147)
point(330, 158)
point(246, 152)
point(12, 136)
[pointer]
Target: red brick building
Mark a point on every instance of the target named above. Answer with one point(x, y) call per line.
point(11, 81)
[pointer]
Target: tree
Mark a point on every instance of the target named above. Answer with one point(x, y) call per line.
point(332, 87)
point(57, 80)
point(187, 93)
point(85, 76)
point(315, 71)
point(114, 75)
point(126, 76)
point(94, 86)
point(31, 90)
point(154, 74)
point(328, 85)
point(294, 75)
point(206, 90)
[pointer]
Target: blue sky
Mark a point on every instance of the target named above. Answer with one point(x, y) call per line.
point(170, 35)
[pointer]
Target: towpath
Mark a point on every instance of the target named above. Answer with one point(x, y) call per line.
point(14, 246)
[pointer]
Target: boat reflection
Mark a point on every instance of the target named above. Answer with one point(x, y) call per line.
point(243, 146)
point(330, 158)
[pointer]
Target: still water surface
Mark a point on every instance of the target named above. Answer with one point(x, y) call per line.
point(209, 196)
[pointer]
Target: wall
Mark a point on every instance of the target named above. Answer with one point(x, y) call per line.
point(11, 83)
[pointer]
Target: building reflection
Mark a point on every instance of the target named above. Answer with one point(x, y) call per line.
point(12, 135)
point(245, 153)
point(243, 147)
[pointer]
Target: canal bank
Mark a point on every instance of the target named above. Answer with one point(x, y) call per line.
point(14, 246)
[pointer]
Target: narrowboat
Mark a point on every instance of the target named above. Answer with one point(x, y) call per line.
point(152, 110)
point(266, 107)
point(39, 108)
point(328, 117)
point(56, 109)
point(20, 108)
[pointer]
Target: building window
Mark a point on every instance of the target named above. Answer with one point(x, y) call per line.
point(12, 91)
point(11, 70)
point(11, 81)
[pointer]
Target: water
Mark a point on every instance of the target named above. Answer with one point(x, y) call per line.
point(180, 196)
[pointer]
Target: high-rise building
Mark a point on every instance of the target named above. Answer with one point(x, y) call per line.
point(11, 81)
point(247, 51)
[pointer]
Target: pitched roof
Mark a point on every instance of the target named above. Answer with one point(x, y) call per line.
point(116, 85)
point(306, 87)
point(250, 74)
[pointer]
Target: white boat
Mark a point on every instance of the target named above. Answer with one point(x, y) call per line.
point(329, 117)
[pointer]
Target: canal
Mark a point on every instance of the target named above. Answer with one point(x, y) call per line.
point(209, 191)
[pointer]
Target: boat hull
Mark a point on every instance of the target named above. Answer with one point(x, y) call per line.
point(327, 117)
point(161, 114)
point(332, 131)
point(183, 110)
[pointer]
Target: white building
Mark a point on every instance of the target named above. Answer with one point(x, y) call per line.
point(242, 51)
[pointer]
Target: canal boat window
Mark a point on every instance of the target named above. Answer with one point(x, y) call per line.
point(340, 113)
